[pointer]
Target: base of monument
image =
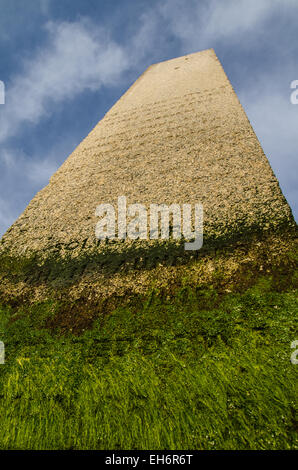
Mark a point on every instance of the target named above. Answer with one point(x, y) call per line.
point(86, 291)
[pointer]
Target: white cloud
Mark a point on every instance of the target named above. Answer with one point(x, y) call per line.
point(205, 24)
point(144, 43)
point(78, 57)
point(230, 18)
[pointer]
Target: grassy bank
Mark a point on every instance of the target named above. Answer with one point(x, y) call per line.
point(199, 370)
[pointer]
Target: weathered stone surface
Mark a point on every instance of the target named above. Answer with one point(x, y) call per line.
point(178, 135)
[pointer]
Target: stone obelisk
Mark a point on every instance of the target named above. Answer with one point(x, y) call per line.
point(178, 135)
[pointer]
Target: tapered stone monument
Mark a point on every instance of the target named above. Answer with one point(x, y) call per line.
point(179, 135)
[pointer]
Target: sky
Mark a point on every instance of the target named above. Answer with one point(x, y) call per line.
point(64, 63)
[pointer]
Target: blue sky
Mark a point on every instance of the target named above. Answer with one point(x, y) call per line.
point(66, 62)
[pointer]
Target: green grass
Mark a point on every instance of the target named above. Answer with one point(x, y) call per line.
point(199, 370)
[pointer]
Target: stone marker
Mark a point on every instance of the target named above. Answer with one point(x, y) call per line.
point(178, 135)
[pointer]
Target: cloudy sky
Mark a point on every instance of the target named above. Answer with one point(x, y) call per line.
point(64, 63)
